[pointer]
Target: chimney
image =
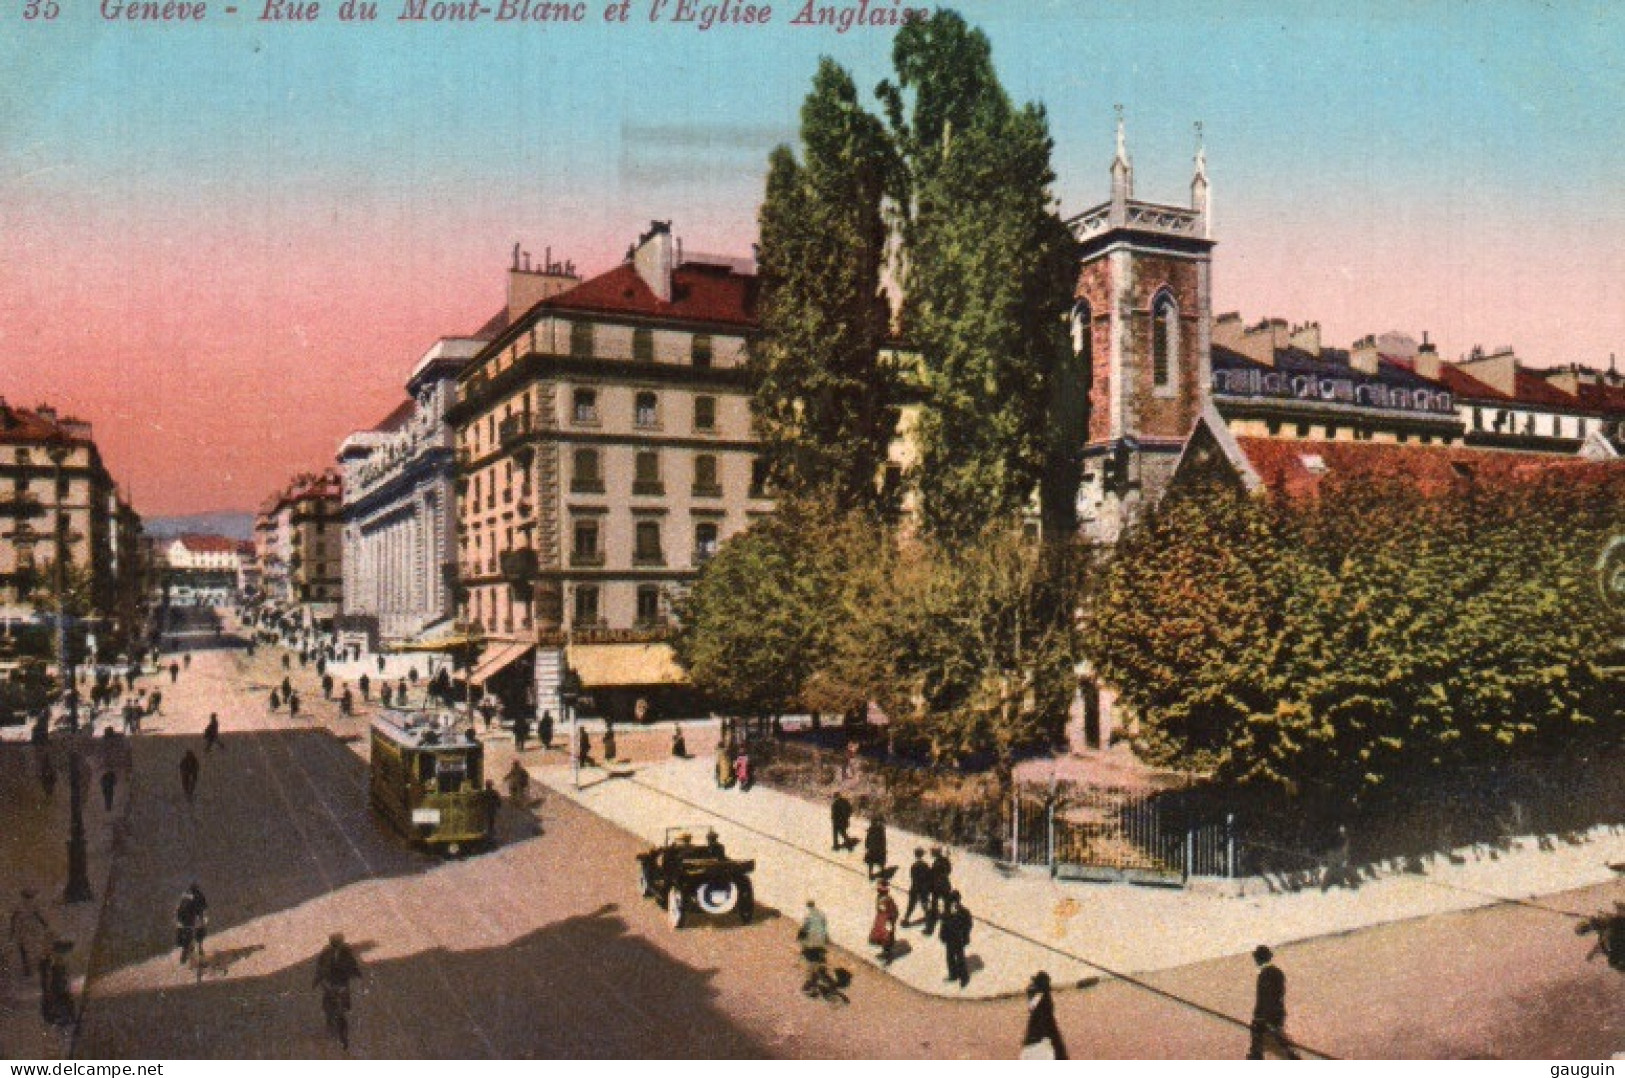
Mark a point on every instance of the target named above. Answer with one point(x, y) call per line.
point(1306, 338)
point(655, 257)
point(46, 412)
point(1365, 355)
point(1428, 363)
point(529, 284)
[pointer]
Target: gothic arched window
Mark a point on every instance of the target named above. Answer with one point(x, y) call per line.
point(1164, 340)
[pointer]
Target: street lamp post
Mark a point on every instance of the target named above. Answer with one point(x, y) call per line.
point(78, 886)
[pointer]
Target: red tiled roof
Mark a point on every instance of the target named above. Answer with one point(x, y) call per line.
point(699, 293)
point(209, 544)
point(1533, 389)
point(1466, 387)
point(1601, 398)
point(493, 326)
point(398, 416)
point(1298, 467)
point(23, 425)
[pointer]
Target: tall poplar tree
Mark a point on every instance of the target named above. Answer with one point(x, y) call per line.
point(825, 400)
point(988, 269)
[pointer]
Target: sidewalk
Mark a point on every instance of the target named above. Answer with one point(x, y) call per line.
point(1026, 921)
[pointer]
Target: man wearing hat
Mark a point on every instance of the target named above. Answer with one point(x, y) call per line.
point(1269, 1009)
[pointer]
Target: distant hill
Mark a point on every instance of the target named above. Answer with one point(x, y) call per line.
point(230, 525)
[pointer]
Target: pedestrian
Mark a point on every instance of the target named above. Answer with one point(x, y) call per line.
point(276, 700)
point(293, 706)
point(186, 659)
point(610, 752)
point(400, 692)
point(191, 922)
point(155, 702)
point(874, 847)
point(189, 773)
point(583, 747)
point(109, 785)
point(1042, 1040)
point(380, 664)
point(366, 687)
point(883, 933)
point(211, 734)
point(336, 967)
point(742, 771)
point(518, 783)
point(919, 887)
point(47, 776)
point(287, 661)
point(491, 801)
point(327, 686)
point(346, 702)
point(287, 687)
point(956, 926)
point(725, 765)
point(942, 885)
point(544, 730)
point(840, 819)
point(849, 761)
point(488, 711)
point(813, 939)
point(174, 671)
point(521, 731)
point(412, 675)
point(1269, 1009)
point(56, 997)
point(321, 666)
point(30, 933)
point(386, 695)
point(679, 747)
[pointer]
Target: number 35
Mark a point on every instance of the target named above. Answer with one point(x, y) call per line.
point(40, 9)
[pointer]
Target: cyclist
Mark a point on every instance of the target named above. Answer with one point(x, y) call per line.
point(191, 922)
point(336, 967)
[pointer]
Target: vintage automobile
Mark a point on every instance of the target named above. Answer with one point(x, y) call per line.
point(681, 875)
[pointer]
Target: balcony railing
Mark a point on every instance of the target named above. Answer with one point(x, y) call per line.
point(648, 488)
point(707, 490)
point(649, 557)
point(586, 558)
point(515, 429)
point(586, 485)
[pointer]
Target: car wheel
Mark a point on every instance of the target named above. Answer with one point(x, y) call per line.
point(674, 906)
point(717, 896)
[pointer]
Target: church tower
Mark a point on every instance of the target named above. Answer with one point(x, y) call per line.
point(1141, 324)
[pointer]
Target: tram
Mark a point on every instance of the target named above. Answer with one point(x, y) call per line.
point(428, 780)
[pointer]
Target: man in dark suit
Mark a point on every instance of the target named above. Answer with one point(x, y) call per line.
point(920, 884)
point(942, 871)
point(840, 819)
point(1269, 1009)
point(956, 925)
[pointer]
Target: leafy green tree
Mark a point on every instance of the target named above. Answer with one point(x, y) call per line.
point(988, 269)
point(825, 399)
point(1345, 649)
point(756, 628)
point(971, 645)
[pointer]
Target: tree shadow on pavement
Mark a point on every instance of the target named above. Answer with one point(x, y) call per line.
point(584, 987)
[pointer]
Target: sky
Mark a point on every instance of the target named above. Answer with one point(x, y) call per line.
point(227, 242)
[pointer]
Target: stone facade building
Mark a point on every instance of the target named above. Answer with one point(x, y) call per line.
point(400, 506)
point(605, 450)
point(298, 540)
point(52, 476)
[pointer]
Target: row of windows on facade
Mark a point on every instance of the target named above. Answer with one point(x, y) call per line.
point(584, 412)
point(586, 608)
point(586, 546)
point(24, 485)
point(587, 477)
point(1358, 433)
point(700, 348)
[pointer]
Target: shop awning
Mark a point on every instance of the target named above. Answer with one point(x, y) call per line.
point(497, 658)
point(610, 666)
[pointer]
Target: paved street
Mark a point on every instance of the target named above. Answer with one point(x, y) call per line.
point(542, 948)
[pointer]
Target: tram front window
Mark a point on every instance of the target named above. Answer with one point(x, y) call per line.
point(450, 773)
